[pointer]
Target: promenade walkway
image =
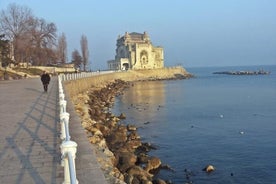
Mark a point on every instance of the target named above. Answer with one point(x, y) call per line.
point(29, 136)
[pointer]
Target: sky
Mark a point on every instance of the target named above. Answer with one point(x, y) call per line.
point(193, 33)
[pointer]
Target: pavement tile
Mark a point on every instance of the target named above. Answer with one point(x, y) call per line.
point(29, 136)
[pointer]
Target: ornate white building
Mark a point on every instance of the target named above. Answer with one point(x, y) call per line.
point(135, 51)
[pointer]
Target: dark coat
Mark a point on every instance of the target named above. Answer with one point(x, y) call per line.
point(45, 78)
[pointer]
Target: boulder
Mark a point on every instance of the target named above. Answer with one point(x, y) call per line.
point(104, 129)
point(153, 163)
point(125, 160)
point(131, 145)
point(146, 147)
point(142, 158)
point(117, 136)
point(159, 181)
point(122, 116)
point(133, 136)
point(131, 128)
point(209, 168)
point(138, 171)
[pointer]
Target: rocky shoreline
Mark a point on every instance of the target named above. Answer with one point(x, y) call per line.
point(120, 151)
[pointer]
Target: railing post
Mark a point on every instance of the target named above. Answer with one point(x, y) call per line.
point(64, 117)
point(68, 147)
point(61, 96)
point(62, 105)
point(60, 90)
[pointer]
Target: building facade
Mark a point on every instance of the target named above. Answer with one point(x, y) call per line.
point(135, 51)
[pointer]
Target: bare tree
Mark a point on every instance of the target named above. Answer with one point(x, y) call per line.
point(43, 33)
point(33, 39)
point(14, 23)
point(62, 48)
point(43, 40)
point(76, 59)
point(15, 20)
point(84, 51)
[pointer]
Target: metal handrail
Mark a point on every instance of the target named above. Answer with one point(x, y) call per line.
point(67, 134)
point(73, 177)
point(68, 147)
point(75, 76)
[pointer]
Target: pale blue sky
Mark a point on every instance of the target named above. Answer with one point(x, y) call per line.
point(192, 32)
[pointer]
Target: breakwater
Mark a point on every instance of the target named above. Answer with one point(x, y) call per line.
point(260, 72)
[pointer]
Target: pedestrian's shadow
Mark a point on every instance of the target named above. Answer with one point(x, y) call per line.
point(33, 89)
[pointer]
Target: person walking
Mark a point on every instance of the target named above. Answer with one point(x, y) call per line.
point(45, 79)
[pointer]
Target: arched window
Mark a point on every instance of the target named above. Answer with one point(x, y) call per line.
point(144, 57)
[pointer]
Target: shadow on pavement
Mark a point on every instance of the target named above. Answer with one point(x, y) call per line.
point(33, 148)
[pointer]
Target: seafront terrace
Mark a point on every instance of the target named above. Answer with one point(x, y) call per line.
point(30, 136)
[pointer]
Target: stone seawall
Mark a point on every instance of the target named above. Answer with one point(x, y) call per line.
point(79, 86)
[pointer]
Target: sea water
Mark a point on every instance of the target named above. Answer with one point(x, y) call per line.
point(228, 121)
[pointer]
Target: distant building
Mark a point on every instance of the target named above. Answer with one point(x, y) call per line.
point(135, 51)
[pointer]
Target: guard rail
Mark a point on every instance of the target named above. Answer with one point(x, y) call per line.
point(68, 147)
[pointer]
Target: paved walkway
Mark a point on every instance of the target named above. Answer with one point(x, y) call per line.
point(29, 136)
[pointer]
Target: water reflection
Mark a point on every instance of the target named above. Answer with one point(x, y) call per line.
point(143, 101)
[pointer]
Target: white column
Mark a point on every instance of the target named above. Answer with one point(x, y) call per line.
point(68, 147)
point(64, 117)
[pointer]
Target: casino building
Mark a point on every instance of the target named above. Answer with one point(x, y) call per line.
point(135, 51)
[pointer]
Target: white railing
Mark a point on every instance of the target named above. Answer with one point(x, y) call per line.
point(75, 76)
point(68, 147)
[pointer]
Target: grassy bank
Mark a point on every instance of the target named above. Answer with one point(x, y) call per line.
point(8, 75)
point(76, 87)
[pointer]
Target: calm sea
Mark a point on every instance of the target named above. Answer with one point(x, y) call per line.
point(224, 120)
